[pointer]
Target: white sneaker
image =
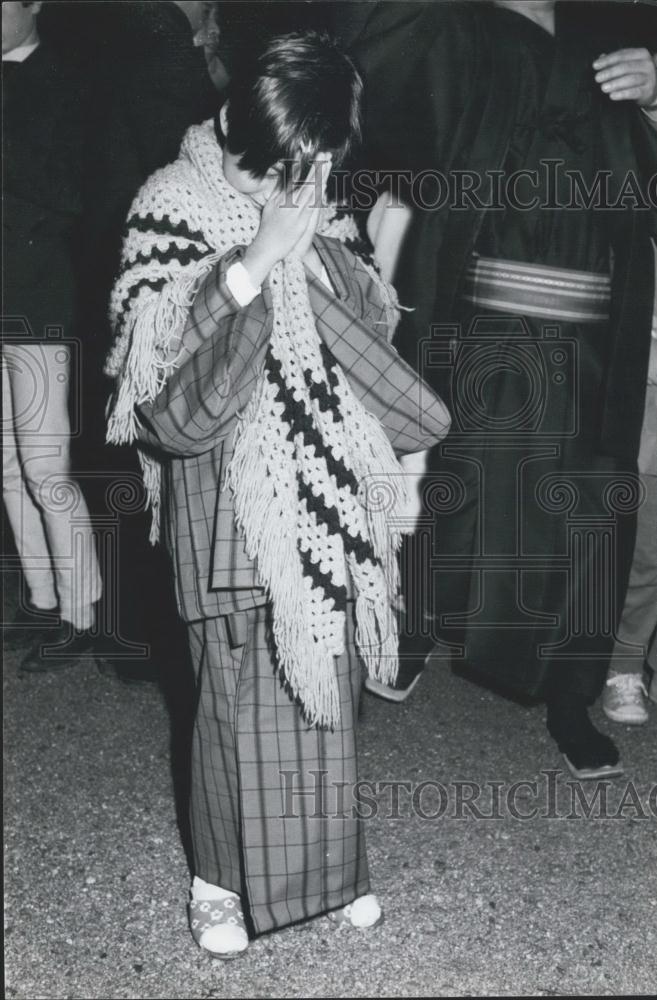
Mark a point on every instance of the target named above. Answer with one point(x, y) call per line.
point(364, 912)
point(622, 699)
point(216, 920)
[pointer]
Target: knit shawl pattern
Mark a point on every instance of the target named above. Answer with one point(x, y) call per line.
point(316, 487)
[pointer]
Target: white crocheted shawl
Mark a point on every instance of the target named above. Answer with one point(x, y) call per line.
point(310, 464)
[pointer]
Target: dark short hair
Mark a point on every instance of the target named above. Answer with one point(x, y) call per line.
point(299, 96)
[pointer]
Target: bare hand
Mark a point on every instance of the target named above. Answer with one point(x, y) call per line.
point(628, 75)
point(289, 219)
point(317, 179)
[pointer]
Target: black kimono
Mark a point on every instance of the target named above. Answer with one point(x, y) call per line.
point(534, 491)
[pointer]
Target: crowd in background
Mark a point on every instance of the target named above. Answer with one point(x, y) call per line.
point(98, 96)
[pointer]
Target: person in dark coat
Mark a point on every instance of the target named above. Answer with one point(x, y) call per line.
point(532, 320)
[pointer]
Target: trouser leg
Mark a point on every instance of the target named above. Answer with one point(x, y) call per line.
point(639, 617)
point(39, 375)
point(214, 804)
point(23, 514)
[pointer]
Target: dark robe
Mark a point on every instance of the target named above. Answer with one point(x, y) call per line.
point(533, 492)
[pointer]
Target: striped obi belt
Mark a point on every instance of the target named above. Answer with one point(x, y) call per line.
point(535, 290)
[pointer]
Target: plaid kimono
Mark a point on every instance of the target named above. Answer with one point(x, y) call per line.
point(257, 828)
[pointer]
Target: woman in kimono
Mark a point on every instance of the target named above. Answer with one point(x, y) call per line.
point(528, 135)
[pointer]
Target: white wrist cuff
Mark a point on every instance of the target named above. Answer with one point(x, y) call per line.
point(240, 285)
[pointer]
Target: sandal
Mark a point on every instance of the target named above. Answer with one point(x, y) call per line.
point(218, 927)
point(364, 913)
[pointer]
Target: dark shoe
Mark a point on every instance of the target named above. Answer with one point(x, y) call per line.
point(57, 649)
point(587, 770)
point(25, 624)
point(588, 753)
point(414, 654)
point(129, 662)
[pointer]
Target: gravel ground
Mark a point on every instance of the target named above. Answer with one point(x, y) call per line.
point(96, 878)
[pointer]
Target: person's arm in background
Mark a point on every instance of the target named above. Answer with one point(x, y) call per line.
point(398, 48)
point(387, 225)
point(628, 77)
